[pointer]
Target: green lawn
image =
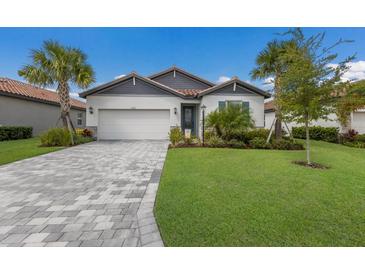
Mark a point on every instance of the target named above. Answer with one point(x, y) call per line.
point(232, 197)
point(11, 151)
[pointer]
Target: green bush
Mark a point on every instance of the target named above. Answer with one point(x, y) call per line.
point(360, 138)
point(82, 139)
point(328, 134)
point(175, 136)
point(216, 141)
point(236, 144)
point(259, 143)
point(286, 145)
point(56, 137)
point(208, 133)
point(355, 144)
point(247, 136)
point(230, 120)
point(15, 133)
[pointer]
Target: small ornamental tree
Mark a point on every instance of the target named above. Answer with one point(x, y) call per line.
point(309, 81)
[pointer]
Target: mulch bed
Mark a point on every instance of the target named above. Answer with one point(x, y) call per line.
point(311, 165)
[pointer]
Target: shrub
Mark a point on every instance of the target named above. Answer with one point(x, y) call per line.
point(328, 134)
point(355, 144)
point(360, 138)
point(286, 145)
point(208, 134)
point(175, 136)
point(230, 120)
point(259, 142)
point(236, 144)
point(87, 133)
point(247, 136)
point(216, 141)
point(82, 139)
point(79, 131)
point(15, 133)
point(56, 137)
point(349, 136)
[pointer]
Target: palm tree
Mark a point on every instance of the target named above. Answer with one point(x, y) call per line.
point(60, 66)
point(270, 64)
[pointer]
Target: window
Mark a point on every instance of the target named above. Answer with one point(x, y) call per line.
point(223, 104)
point(79, 118)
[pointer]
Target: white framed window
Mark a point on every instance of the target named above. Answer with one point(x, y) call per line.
point(223, 104)
point(79, 118)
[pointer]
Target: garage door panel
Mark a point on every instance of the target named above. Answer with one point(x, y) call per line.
point(133, 124)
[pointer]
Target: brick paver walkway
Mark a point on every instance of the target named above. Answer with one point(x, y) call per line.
point(97, 194)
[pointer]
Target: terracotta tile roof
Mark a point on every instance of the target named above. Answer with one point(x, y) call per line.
point(189, 91)
point(269, 105)
point(32, 92)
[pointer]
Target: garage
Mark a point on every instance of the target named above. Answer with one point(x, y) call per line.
point(120, 124)
point(358, 122)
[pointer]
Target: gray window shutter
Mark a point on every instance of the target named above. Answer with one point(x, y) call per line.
point(246, 105)
point(221, 105)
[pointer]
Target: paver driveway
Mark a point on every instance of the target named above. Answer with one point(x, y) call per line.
point(97, 194)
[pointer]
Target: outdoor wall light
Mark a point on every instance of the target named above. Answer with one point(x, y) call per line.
point(91, 110)
point(175, 111)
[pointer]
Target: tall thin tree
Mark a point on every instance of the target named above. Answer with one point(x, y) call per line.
point(58, 66)
point(310, 80)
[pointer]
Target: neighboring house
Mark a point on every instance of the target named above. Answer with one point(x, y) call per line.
point(356, 121)
point(23, 104)
point(137, 107)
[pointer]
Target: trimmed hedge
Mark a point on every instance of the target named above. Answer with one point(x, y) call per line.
point(328, 134)
point(15, 133)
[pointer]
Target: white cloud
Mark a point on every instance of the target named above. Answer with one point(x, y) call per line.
point(75, 95)
point(269, 82)
point(248, 81)
point(223, 79)
point(356, 71)
point(119, 76)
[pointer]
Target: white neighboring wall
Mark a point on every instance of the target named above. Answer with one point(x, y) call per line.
point(256, 104)
point(357, 121)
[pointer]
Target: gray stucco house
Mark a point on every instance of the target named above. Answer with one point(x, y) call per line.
point(23, 104)
point(138, 107)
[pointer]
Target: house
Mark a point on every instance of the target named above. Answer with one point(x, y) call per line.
point(356, 121)
point(137, 107)
point(23, 104)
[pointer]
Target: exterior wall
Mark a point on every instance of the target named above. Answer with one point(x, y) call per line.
point(357, 122)
point(41, 116)
point(256, 104)
point(135, 102)
point(180, 81)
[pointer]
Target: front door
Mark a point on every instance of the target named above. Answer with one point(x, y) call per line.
point(188, 119)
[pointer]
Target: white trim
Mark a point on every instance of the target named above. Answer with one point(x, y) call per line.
point(134, 81)
point(234, 86)
point(174, 73)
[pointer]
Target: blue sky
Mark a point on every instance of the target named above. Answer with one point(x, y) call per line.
point(208, 52)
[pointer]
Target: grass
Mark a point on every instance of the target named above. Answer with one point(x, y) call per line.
point(11, 151)
point(233, 197)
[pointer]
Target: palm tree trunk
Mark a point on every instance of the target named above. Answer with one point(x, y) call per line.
point(65, 103)
point(307, 140)
point(278, 124)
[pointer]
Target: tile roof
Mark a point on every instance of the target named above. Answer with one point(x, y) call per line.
point(269, 105)
point(28, 91)
point(190, 91)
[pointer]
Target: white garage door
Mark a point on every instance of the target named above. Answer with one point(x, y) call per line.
point(358, 122)
point(133, 124)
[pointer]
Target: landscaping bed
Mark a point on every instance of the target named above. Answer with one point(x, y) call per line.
point(229, 197)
